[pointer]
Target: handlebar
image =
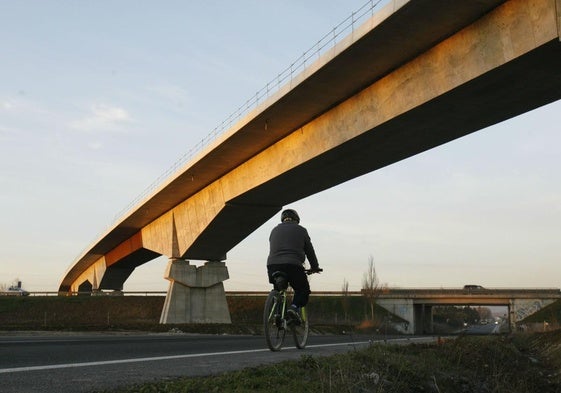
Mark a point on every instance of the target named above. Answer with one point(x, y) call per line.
point(312, 271)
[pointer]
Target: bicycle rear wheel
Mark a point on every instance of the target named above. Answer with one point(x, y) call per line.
point(301, 330)
point(272, 322)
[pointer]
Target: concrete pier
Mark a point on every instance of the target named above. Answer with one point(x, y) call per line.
point(195, 294)
point(414, 76)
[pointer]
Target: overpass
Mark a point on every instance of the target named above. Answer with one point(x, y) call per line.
point(415, 75)
point(415, 306)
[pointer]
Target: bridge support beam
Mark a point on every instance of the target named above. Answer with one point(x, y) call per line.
point(423, 319)
point(404, 309)
point(195, 294)
point(519, 309)
point(418, 316)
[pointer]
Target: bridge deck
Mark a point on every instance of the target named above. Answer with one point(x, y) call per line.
point(392, 40)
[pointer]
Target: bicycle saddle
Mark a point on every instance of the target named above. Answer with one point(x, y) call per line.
point(280, 280)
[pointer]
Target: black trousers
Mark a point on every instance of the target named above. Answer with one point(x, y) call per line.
point(297, 279)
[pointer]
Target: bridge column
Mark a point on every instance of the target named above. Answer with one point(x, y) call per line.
point(423, 319)
point(195, 294)
point(511, 316)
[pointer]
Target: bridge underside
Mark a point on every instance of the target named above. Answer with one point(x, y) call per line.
point(531, 81)
point(502, 65)
point(418, 312)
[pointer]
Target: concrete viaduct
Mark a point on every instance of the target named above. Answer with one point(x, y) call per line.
point(416, 75)
point(415, 306)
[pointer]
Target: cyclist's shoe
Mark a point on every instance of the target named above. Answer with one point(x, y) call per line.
point(293, 316)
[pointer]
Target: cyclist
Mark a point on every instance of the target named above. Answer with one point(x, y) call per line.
point(289, 245)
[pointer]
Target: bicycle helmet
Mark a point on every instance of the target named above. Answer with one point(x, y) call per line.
point(291, 215)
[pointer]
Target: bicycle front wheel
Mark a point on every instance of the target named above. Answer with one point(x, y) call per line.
point(272, 322)
point(300, 331)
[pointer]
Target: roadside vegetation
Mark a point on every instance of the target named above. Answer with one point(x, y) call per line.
point(142, 313)
point(499, 364)
point(516, 363)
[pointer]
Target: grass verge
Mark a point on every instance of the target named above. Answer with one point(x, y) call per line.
point(468, 364)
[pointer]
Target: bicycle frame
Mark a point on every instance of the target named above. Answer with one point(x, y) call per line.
point(280, 301)
point(276, 323)
point(283, 297)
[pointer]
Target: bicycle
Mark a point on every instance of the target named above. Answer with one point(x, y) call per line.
point(275, 321)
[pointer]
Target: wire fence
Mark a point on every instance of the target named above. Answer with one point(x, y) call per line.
point(286, 76)
point(383, 293)
point(164, 293)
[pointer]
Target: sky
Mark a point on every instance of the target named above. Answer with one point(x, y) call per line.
point(98, 99)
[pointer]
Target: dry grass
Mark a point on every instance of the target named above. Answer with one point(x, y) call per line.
point(500, 364)
point(143, 313)
point(469, 364)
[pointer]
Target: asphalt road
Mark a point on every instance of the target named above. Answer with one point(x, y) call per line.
point(63, 362)
point(490, 328)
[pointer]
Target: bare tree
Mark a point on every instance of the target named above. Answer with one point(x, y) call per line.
point(371, 288)
point(345, 299)
point(485, 313)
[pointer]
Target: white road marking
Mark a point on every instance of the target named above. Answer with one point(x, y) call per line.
point(151, 359)
point(193, 355)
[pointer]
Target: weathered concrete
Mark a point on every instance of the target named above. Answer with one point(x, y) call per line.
point(417, 75)
point(195, 294)
point(404, 309)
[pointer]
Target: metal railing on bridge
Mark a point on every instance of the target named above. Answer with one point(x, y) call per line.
point(325, 43)
point(475, 292)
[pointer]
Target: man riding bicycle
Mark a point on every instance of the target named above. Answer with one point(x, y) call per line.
point(289, 245)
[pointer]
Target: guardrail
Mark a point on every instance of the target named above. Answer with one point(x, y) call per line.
point(382, 292)
point(100, 293)
point(428, 292)
point(163, 293)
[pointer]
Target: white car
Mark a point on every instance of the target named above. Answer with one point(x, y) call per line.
point(16, 291)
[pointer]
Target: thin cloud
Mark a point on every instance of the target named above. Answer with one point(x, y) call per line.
point(103, 118)
point(7, 105)
point(175, 94)
point(6, 130)
point(95, 145)
point(7, 133)
point(16, 105)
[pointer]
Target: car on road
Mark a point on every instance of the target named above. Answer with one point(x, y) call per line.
point(472, 287)
point(15, 291)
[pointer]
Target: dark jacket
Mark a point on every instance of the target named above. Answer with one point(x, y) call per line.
point(289, 243)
